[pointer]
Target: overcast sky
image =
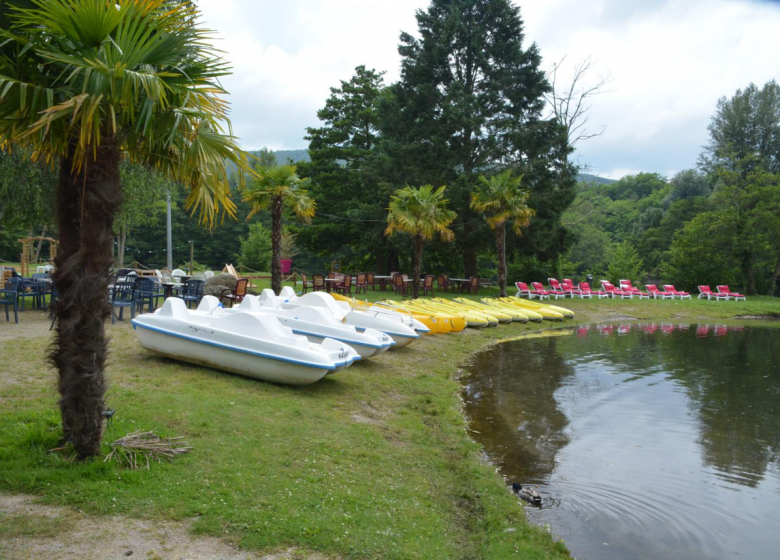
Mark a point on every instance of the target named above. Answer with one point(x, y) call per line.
point(670, 61)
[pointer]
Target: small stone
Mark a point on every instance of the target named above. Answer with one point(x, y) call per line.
point(129, 553)
point(510, 530)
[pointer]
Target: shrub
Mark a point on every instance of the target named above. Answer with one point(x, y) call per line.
point(625, 263)
point(256, 248)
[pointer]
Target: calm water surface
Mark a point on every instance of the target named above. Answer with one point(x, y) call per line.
point(645, 441)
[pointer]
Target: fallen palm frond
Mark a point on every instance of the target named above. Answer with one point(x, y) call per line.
point(137, 449)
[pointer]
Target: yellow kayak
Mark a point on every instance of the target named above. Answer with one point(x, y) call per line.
point(515, 314)
point(467, 320)
point(452, 306)
point(436, 325)
point(545, 312)
point(532, 315)
point(534, 305)
point(473, 320)
point(500, 315)
point(439, 323)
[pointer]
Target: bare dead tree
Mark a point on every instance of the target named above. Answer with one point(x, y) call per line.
point(570, 104)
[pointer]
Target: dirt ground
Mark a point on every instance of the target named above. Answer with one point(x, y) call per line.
point(51, 532)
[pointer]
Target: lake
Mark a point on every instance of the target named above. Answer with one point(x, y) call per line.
point(644, 441)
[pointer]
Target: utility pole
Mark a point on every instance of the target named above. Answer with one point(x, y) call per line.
point(192, 254)
point(170, 240)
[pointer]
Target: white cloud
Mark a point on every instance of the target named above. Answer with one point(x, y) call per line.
point(670, 59)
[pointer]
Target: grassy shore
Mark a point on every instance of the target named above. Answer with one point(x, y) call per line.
point(373, 462)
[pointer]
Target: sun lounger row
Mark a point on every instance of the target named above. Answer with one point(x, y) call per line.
point(626, 290)
point(723, 293)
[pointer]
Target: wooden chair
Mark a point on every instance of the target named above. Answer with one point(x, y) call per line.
point(306, 284)
point(399, 286)
point(361, 283)
point(427, 285)
point(318, 283)
point(442, 282)
point(237, 293)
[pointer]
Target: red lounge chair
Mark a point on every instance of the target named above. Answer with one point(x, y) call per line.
point(556, 286)
point(524, 290)
point(614, 292)
point(570, 288)
point(653, 290)
point(731, 295)
point(706, 292)
point(551, 293)
point(585, 289)
point(677, 293)
point(627, 286)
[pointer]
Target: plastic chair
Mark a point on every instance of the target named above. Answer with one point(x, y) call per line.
point(399, 285)
point(305, 284)
point(147, 292)
point(122, 295)
point(371, 281)
point(31, 289)
point(236, 294)
point(9, 295)
point(442, 282)
point(473, 285)
point(318, 283)
point(427, 285)
point(361, 283)
point(192, 292)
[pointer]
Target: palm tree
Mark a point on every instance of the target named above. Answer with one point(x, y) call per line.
point(86, 83)
point(276, 188)
point(502, 199)
point(421, 213)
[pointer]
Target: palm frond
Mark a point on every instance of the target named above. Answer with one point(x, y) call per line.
point(502, 200)
point(142, 73)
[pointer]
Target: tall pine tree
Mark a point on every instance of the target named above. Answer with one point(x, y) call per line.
point(470, 102)
point(352, 199)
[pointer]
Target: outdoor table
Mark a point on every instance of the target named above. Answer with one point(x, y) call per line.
point(168, 288)
point(382, 281)
point(461, 282)
point(330, 281)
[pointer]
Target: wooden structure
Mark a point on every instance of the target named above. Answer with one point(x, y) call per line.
point(26, 250)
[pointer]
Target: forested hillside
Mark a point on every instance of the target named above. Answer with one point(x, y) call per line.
point(719, 224)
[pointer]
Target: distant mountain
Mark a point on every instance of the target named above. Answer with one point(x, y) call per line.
point(588, 178)
point(295, 155)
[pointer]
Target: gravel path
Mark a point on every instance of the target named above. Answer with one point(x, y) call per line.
point(52, 532)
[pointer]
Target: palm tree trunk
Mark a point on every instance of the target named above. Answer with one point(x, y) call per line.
point(276, 245)
point(418, 253)
point(501, 249)
point(86, 204)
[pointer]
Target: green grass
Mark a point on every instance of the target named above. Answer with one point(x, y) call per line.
point(373, 462)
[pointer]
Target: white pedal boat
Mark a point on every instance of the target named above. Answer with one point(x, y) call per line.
point(249, 344)
point(401, 328)
point(314, 323)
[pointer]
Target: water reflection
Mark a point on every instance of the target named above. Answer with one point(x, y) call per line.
point(660, 439)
